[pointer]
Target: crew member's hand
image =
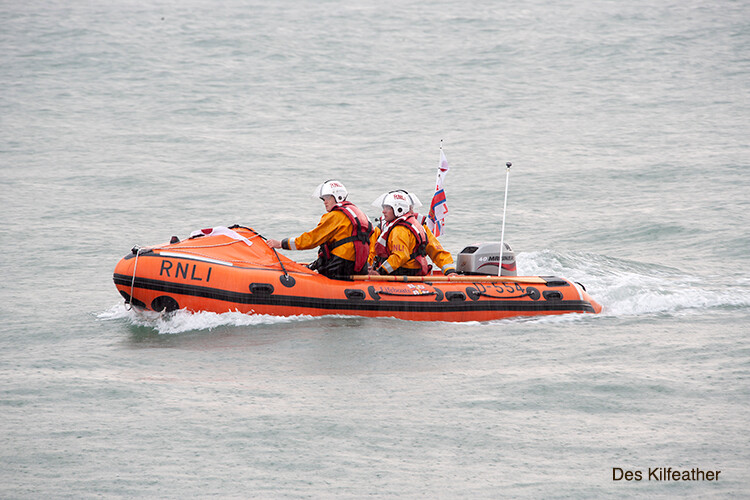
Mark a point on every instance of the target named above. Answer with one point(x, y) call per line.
point(373, 272)
point(273, 243)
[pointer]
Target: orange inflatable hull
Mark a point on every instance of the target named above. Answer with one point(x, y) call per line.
point(221, 273)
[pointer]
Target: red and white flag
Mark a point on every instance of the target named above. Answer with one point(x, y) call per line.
point(438, 207)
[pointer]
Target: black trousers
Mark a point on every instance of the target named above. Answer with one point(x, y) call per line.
point(336, 268)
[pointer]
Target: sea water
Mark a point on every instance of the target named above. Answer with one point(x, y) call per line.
point(125, 123)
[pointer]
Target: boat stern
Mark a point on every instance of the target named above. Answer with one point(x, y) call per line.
point(597, 307)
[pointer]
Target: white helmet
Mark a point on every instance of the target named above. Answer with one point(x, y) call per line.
point(331, 188)
point(400, 200)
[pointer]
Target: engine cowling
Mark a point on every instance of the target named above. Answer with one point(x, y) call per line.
point(484, 258)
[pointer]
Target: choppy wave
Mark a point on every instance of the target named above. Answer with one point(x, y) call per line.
point(627, 287)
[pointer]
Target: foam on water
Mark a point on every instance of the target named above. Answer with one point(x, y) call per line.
point(127, 122)
point(623, 287)
point(183, 321)
point(627, 287)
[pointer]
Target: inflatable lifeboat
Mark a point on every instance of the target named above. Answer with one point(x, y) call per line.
point(232, 269)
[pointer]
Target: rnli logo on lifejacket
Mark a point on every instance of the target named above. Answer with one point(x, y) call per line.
point(184, 270)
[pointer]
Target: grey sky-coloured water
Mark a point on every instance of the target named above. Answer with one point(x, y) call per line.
point(123, 123)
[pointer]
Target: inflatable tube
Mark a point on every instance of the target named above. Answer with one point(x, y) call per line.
point(234, 270)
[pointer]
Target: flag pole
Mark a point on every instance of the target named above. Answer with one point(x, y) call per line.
point(502, 233)
point(440, 160)
point(432, 220)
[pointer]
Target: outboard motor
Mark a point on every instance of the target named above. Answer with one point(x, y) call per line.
point(483, 259)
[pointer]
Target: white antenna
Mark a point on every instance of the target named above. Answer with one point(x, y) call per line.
point(502, 234)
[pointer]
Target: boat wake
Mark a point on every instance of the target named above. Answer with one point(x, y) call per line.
point(184, 321)
point(623, 287)
point(626, 287)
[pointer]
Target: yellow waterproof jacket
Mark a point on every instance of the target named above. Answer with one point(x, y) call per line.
point(333, 226)
point(435, 250)
point(401, 244)
point(437, 253)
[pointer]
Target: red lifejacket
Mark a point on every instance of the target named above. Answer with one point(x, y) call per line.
point(419, 254)
point(361, 231)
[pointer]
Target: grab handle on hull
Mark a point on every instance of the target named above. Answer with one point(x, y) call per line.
point(354, 294)
point(261, 288)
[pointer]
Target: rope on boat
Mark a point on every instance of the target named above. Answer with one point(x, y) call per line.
point(256, 235)
point(186, 249)
point(462, 278)
point(280, 263)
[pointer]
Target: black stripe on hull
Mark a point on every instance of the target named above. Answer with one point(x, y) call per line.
point(443, 307)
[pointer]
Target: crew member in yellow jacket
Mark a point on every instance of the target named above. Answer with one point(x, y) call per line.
point(402, 248)
point(435, 251)
point(343, 234)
